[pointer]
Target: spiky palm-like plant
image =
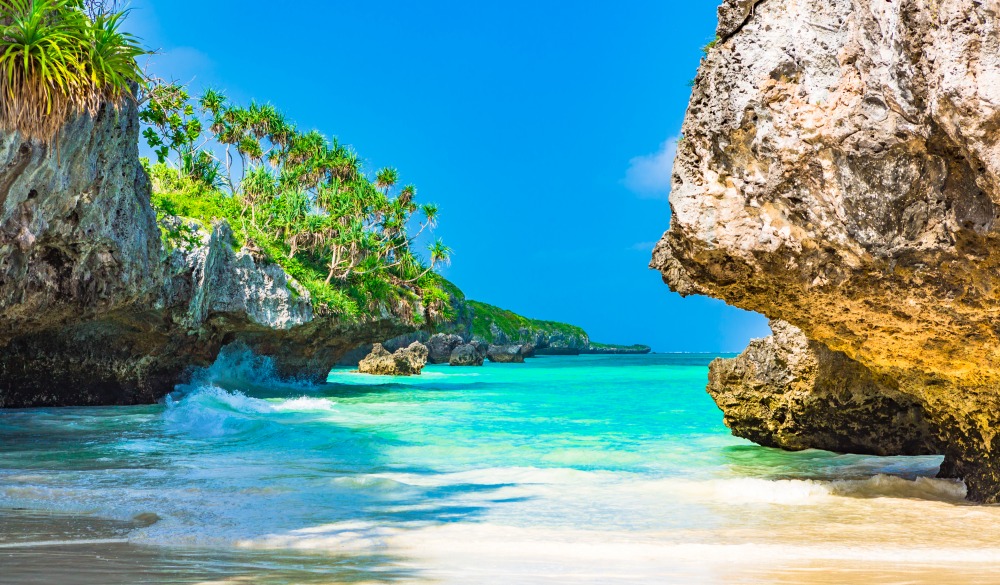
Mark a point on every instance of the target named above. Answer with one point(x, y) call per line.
point(386, 179)
point(440, 254)
point(56, 62)
point(110, 63)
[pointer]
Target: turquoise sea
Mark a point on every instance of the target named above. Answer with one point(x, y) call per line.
point(590, 469)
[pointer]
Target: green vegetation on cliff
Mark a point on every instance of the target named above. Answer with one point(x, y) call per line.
point(295, 197)
point(613, 346)
point(60, 58)
point(511, 324)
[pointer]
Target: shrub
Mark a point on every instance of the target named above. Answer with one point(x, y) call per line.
point(57, 62)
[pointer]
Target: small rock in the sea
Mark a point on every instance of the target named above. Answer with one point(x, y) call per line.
point(408, 361)
point(146, 519)
point(440, 347)
point(468, 354)
point(506, 354)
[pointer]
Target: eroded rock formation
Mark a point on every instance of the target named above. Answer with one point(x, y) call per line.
point(788, 392)
point(469, 354)
point(408, 361)
point(440, 347)
point(94, 310)
point(506, 354)
point(840, 170)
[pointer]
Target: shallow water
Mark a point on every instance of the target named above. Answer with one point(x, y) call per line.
point(591, 469)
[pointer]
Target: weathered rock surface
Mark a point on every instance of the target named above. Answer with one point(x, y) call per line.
point(440, 346)
point(78, 236)
point(93, 309)
point(840, 170)
point(409, 361)
point(506, 354)
point(786, 391)
point(468, 354)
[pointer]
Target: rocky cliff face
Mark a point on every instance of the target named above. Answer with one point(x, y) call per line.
point(93, 310)
point(77, 234)
point(840, 171)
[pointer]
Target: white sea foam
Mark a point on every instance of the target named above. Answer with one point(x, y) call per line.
point(806, 492)
point(486, 540)
point(211, 411)
point(354, 536)
point(304, 404)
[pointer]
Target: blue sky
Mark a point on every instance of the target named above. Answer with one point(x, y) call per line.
point(543, 130)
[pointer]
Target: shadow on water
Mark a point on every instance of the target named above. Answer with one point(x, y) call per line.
point(770, 463)
point(848, 475)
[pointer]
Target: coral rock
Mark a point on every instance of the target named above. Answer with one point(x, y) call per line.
point(440, 347)
point(408, 361)
point(506, 354)
point(468, 354)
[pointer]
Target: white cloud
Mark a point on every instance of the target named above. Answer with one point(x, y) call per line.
point(649, 176)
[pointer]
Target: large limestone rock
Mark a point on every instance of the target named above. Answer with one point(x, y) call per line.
point(408, 361)
point(840, 170)
point(78, 236)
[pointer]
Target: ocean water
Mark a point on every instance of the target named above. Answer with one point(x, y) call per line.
point(590, 469)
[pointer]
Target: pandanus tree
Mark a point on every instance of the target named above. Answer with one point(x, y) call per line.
point(386, 179)
point(258, 186)
point(310, 196)
point(58, 61)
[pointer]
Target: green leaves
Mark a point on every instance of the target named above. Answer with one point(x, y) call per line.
point(56, 62)
point(301, 198)
point(386, 178)
point(439, 253)
point(172, 124)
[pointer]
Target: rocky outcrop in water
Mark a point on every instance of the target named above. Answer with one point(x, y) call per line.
point(544, 342)
point(785, 391)
point(93, 308)
point(839, 170)
point(408, 361)
point(469, 354)
point(440, 347)
point(506, 354)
